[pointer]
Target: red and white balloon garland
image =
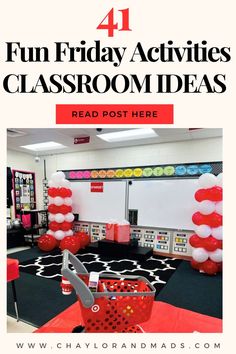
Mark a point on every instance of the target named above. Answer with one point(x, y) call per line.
point(61, 218)
point(207, 240)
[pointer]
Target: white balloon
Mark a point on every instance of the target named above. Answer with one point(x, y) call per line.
point(50, 232)
point(200, 255)
point(65, 183)
point(216, 256)
point(59, 217)
point(203, 230)
point(50, 200)
point(54, 184)
point(69, 233)
point(58, 176)
point(51, 217)
point(219, 208)
point(219, 180)
point(50, 183)
point(68, 201)
point(207, 180)
point(69, 217)
point(58, 201)
point(59, 235)
point(217, 232)
point(206, 207)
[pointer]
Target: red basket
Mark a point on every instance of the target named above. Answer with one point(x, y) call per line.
point(119, 303)
point(114, 313)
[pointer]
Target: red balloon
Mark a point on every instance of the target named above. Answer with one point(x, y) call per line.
point(200, 195)
point(57, 242)
point(215, 194)
point(220, 244)
point(219, 265)
point(210, 244)
point(69, 193)
point(63, 192)
point(70, 243)
point(64, 209)
point(47, 242)
point(213, 219)
point(198, 218)
point(83, 238)
point(195, 264)
point(54, 226)
point(53, 192)
point(196, 241)
point(52, 208)
point(209, 267)
point(65, 226)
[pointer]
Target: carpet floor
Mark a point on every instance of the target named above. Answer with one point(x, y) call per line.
point(38, 289)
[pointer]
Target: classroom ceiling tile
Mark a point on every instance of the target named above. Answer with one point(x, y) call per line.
point(65, 136)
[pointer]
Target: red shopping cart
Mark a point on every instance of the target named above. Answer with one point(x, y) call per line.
point(119, 304)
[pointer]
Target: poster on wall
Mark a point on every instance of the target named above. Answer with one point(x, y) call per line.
point(23, 191)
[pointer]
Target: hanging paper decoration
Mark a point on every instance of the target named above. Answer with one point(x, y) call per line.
point(207, 240)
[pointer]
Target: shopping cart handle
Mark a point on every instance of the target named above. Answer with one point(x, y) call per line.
point(70, 257)
point(81, 289)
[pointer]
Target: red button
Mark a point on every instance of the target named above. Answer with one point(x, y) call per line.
point(114, 114)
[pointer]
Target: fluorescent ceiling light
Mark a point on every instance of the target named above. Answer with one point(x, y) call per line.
point(49, 145)
point(132, 134)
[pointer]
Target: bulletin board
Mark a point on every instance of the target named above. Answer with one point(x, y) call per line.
point(164, 203)
point(24, 193)
point(99, 205)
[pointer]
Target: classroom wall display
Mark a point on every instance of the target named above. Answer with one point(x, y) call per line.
point(24, 191)
point(152, 171)
point(207, 240)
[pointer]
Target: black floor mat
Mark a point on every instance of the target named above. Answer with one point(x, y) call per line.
point(194, 291)
point(38, 288)
point(156, 269)
point(39, 299)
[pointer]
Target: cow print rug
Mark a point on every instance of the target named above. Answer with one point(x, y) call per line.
point(156, 269)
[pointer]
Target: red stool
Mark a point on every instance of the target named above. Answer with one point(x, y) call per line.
point(12, 275)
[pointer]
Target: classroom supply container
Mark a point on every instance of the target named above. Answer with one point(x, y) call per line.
point(119, 302)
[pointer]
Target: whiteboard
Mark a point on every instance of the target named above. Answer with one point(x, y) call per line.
point(164, 203)
point(96, 206)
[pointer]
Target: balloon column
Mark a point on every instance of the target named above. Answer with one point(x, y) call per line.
point(60, 217)
point(207, 240)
